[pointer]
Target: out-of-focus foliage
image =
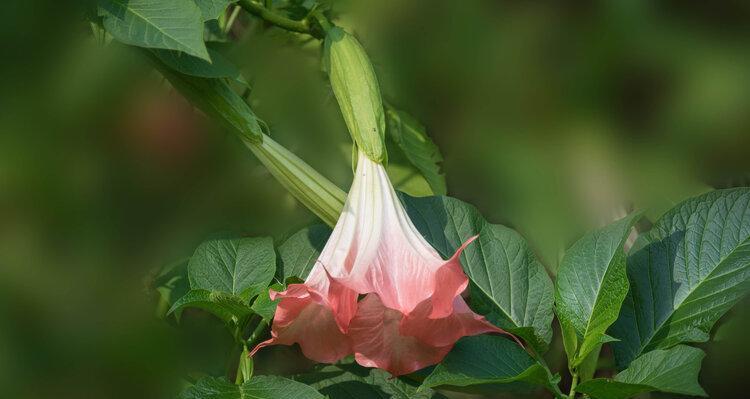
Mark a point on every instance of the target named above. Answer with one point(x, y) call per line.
point(550, 117)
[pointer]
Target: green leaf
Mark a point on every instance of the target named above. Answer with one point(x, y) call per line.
point(591, 285)
point(217, 100)
point(225, 306)
point(264, 306)
point(172, 284)
point(419, 149)
point(211, 9)
point(690, 269)
point(487, 359)
point(589, 364)
point(260, 387)
point(507, 283)
point(216, 67)
point(673, 370)
point(242, 266)
point(404, 176)
point(351, 381)
point(214, 33)
point(298, 254)
point(161, 24)
point(605, 388)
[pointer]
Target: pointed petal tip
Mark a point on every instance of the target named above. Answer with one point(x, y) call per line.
point(451, 281)
point(261, 345)
point(463, 246)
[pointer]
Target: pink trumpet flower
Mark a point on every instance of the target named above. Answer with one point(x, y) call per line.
point(412, 312)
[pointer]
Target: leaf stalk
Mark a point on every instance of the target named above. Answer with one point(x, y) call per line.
point(299, 26)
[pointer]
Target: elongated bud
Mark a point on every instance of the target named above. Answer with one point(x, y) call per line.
point(215, 98)
point(356, 88)
point(318, 194)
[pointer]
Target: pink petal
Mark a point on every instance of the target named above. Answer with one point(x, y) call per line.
point(315, 320)
point(375, 248)
point(413, 312)
point(376, 340)
point(450, 282)
point(461, 322)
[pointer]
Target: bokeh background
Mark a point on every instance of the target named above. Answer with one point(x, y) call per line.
point(553, 117)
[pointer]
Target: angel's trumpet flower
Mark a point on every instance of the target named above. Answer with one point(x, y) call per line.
point(412, 312)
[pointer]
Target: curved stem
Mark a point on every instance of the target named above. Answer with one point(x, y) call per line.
point(573, 385)
point(276, 19)
point(230, 20)
point(324, 23)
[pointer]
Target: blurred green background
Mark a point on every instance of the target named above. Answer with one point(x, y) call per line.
point(553, 117)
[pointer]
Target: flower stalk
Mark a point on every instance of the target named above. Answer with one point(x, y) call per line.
point(299, 26)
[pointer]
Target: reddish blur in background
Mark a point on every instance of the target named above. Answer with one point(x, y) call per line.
point(549, 115)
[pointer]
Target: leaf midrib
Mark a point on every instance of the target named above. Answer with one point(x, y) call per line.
point(674, 309)
point(489, 281)
point(601, 282)
point(150, 23)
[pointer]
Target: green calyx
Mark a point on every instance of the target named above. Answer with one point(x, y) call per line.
point(356, 89)
point(318, 194)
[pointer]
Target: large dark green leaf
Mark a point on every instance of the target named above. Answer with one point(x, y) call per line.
point(507, 283)
point(224, 306)
point(591, 285)
point(260, 387)
point(297, 255)
point(487, 359)
point(217, 99)
point(351, 381)
point(211, 9)
point(690, 269)
point(162, 24)
point(673, 370)
point(411, 138)
point(216, 67)
point(241, 266)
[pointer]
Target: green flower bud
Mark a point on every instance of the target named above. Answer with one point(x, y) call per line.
point(356, 88)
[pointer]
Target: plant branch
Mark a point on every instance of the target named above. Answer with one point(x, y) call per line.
point(301, 26)
point(231, 19)
point(573, 384)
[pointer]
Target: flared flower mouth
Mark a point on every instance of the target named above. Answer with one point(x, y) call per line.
point(412, 312)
